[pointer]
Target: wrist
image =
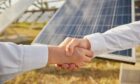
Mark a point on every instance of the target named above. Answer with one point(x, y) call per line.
point(86, 41)
point(51, 54)
point(55, 55)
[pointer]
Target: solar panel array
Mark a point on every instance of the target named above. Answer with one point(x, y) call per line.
point(12, 13)
point(34, 17)
point(77, 18)
point(40, 17)
point(45, 17)
point(25, 17)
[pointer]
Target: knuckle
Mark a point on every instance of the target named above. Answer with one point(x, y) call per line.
point(68, 38)
point(74, 40)
point(91, 53)
point(82, 58)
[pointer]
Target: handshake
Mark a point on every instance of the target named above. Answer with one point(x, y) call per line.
point(70, 54)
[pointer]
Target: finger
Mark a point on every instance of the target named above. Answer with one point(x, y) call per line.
point(71, 46)
point(88, 53)
point(86, 59)
point(65, 42)
point(82, 52)
point(81, 64)
point(64, 66)
point(72, 67)
point(59, 66)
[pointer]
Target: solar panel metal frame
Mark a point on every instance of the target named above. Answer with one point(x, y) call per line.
point(33, 17)
point(42, 18)
point(106, 56)
point(24, 17)
point(10, 14)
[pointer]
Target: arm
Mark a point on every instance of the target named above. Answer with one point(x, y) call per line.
point(16, 59)
point(119, 38)
point(57, 55)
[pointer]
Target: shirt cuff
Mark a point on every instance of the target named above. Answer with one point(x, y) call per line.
point(34, 57)
point(97, 43)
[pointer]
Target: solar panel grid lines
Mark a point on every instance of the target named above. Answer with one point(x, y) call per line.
point(114, 13)
point(43, 37)
point(122, 20)
point(84, 13)
point(124, 10)
point(77, 18)
point(97, 19)
point(84, 20)
point(66, 22)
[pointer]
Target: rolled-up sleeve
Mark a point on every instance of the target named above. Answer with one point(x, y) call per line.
point(15, 59)
point(118, 38)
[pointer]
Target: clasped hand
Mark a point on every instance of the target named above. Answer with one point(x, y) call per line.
point(70, 54)
point(78, 51)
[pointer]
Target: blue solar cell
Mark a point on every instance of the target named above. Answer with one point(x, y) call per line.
point(129, 52)
point(81, 17)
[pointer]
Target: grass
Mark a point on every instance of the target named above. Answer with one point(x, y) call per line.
point(96, 72)
point(138, 49)
point(27, 30)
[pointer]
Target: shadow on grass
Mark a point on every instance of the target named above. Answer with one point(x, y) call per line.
point(85, 72)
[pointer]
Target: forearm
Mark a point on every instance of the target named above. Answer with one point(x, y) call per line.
point(15, 59)
point(57, 55)
point(119, 38)
point(54, 54)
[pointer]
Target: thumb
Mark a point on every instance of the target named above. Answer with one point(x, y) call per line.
point(86, 54)
point(71, 46)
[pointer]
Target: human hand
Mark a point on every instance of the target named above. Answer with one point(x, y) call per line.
point(57, 55)
point(71, 44)
point(76, 42)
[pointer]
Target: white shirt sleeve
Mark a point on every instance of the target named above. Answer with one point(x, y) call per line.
point(119, 38)
point(15, 59)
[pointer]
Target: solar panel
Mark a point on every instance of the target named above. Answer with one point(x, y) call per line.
point(25, 17)
point(77, 18)
point(11, 14)
point(34, 17)
point(43, 17)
